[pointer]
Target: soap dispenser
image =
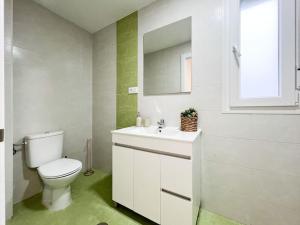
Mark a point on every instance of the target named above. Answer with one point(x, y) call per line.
point(138, 120)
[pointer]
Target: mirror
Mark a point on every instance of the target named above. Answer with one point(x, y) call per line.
point(168, 59)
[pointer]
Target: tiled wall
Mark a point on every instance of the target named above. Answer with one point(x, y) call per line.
point(126, 70)
point(104, 95)
point(8, 67)
point(250, 162)
point(52, 85)
point(114, 70)
point(251, 169)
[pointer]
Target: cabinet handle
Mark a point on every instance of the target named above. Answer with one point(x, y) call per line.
point(153, 151)
point(175, 194)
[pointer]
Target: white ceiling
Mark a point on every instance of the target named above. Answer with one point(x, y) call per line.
point(168, 36)
point(93, 15)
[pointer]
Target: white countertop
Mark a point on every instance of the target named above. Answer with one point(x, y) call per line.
point(169, 133)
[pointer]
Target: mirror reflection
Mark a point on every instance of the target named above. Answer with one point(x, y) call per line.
point(168, 59)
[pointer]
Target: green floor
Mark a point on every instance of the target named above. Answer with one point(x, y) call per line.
point(91, 205)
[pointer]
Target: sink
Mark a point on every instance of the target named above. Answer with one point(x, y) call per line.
point(155, 131)
point(173, 133)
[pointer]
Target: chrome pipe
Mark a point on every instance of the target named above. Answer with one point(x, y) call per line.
point(18, 147)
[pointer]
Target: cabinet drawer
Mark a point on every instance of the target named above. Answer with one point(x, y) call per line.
point(176, 175)
point(175, 210)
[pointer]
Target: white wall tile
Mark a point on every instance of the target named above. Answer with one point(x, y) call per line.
point(8, 79)
point(250, 162)
point(276, 128)
point(277, 188)
point(278, 157)
point(52, 85)
point(104, 95)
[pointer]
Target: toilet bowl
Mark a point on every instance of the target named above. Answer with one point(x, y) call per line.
point(44, 152)
point(57, 177)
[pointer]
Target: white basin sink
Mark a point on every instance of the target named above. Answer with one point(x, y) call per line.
point(172, 133)
point(155, 130)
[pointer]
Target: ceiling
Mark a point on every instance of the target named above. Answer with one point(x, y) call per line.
point(168, 36)
point(93, 15)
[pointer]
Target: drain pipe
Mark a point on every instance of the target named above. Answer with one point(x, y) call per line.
point(89, 158)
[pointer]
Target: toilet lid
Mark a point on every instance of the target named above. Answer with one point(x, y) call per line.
point(59, 168)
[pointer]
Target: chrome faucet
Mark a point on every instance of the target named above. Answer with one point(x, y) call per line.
point(161, 124)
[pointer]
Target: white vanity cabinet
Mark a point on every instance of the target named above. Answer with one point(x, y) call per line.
point(158, 176)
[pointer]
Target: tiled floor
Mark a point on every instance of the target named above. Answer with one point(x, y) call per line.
point(91, 205)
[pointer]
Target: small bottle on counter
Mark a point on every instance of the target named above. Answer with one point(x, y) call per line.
point(138, 120)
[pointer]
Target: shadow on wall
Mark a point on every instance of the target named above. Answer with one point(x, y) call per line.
point(31, 177)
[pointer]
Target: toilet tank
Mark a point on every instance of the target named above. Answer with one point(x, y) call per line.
point(43, 148)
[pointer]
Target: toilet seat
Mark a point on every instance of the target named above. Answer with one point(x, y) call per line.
point(59, 168)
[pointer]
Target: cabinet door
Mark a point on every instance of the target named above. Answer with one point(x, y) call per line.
point(123, 176)
point(147, 185)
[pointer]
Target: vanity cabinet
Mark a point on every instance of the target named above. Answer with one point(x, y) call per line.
point(156, 180)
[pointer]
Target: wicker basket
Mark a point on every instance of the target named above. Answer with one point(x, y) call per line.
point(189, 124)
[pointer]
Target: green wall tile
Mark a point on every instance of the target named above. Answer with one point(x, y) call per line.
point(127, 46)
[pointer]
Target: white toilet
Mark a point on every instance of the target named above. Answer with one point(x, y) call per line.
point(44, 152)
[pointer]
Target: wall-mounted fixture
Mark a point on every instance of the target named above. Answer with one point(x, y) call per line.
point(19, 147)
point(168, 59)
point(1, 135)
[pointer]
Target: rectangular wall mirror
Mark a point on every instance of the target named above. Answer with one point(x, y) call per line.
point(168, 59)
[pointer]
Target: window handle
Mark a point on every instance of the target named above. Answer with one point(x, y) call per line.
point(297, 78)
point(1, 135)
point(237, 54)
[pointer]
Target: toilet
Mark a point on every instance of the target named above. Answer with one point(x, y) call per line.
point(44, 152)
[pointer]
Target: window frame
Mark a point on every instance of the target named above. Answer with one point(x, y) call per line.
point(289, 99)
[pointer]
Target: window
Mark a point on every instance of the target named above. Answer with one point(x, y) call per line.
point(260, 53)
point(259, 45)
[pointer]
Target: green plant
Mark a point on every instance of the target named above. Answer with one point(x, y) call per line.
point(190, 113)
